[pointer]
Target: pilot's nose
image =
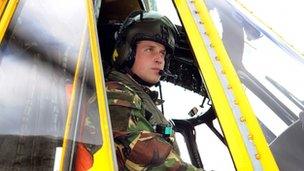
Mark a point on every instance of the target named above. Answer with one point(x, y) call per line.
point(159, 58)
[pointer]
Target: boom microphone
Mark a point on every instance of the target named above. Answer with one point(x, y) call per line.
point(165, 74)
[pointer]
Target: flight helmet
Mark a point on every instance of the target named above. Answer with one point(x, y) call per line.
point(143, 25)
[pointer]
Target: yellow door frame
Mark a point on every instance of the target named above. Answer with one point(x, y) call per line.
point(7, 9)
point(104, 158)
point(245, 139)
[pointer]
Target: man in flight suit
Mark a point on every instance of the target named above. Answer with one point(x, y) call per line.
point(144, 139)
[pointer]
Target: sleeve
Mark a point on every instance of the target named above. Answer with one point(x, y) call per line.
point(138, 147)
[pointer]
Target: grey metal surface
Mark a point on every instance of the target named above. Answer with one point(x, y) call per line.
point(288, 148)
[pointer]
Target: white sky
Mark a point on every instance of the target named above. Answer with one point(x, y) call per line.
point(284, 17)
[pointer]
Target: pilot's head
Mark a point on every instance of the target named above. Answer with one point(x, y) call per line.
point(144, 44)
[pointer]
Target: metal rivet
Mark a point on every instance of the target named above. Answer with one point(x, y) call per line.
point(242, 119)
point(236, 102)
point(196, 12)
point(258, 156)
point(250, 136)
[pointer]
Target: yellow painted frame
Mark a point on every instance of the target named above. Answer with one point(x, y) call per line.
point(6, 13)
point(225, 114)
point(2, 6)
point(72, 102)
point(105, 158)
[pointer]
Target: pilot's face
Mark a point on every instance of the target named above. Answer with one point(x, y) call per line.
point(149, 60)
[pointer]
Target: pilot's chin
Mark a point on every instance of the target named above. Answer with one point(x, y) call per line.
point(154, 81)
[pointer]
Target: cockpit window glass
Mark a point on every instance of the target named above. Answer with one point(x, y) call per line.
point(267, 67)
point(47, 87)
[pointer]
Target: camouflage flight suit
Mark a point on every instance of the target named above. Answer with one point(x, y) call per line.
point(133, 115)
